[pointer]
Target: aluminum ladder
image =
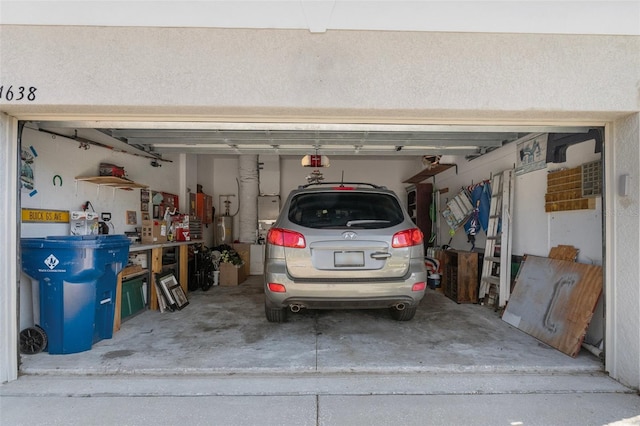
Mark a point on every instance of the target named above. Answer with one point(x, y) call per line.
point(496, 264)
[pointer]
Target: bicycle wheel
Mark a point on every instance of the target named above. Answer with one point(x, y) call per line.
point(207, 278)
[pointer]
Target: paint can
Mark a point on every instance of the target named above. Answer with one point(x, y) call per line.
point(433, 281)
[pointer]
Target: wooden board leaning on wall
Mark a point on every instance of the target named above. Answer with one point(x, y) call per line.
point(553, 301)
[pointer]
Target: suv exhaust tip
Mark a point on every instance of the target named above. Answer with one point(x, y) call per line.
point(400, 306)
point(295, 308)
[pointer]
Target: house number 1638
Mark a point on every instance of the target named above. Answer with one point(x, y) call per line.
point(18, 93)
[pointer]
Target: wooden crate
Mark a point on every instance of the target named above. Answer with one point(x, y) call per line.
point(460, 278)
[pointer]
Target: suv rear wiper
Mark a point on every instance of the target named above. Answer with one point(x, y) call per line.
point(365, 221)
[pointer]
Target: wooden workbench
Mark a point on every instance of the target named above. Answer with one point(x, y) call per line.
point(154, 267)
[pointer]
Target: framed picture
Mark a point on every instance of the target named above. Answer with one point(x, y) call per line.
point(171, 291)
point(167, 281)
point(132, 218)
point(179, 297)
point(162, 302)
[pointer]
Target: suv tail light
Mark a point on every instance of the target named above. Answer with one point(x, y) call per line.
point(407, 238)
point(286, 238)
point(277, 288)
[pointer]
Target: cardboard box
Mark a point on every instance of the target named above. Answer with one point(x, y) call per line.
point(244, 251)
point(257, 259)
point(153, 232)
point(231, 275)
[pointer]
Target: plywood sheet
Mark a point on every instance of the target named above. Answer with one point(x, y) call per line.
point(562, 252)
point(553, 301)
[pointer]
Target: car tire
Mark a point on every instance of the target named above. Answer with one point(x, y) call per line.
point(406, 314)
point(278, 315)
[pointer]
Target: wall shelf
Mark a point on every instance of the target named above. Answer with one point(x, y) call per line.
point(111, 181)
point(431, 172)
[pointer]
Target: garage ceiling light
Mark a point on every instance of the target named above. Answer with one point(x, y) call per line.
point(315, 160)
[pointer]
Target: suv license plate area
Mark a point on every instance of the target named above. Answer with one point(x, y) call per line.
point(342, 259)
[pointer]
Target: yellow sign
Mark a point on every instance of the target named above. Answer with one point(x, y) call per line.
point(39, 215)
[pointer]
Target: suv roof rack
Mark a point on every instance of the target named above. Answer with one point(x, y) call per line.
point(342, 184)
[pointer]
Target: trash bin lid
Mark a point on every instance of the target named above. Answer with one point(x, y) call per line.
point(70, 256)
point(77, 241)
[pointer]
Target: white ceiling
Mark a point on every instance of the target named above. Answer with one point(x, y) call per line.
point(504, 16)
point(154, 139)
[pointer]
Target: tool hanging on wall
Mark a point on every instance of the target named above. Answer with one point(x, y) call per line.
point(458, 210)
point(474, 226)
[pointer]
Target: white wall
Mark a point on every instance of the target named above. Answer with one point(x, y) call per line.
point(61, 156)
point(534, 230)
point(220, 173)
point(385, 171)
point(579, 228)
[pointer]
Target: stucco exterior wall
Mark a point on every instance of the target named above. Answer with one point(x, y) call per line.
point(8, 250)
point(623, 290)
point(360, 76)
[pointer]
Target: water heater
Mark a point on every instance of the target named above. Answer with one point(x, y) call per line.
point(224, 230)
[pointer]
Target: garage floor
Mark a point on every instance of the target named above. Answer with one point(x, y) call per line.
point(224, 331)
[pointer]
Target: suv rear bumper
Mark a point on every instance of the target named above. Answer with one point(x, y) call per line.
point(320, 294)
point(332, 303)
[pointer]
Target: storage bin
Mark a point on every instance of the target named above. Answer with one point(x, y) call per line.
point(132, 297)
point(77, 277)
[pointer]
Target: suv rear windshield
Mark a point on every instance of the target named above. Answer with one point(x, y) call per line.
point(345, 209)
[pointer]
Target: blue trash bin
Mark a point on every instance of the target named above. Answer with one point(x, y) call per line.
point(78, 277)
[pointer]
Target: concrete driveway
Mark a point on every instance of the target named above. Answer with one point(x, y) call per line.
point(219, 361)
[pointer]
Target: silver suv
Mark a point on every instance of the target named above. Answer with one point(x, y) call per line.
point(343, 245)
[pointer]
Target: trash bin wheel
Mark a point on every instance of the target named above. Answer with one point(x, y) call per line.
point(32, 340)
